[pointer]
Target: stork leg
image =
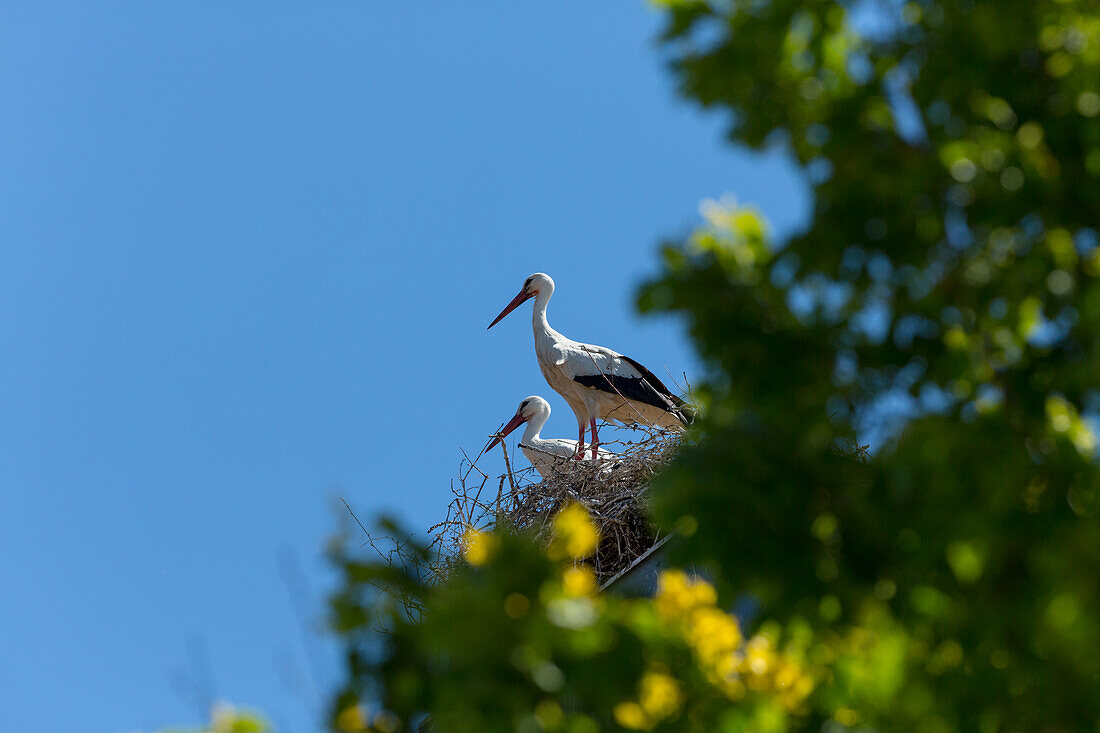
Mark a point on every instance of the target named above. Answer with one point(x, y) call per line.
point(580, 444)
point(595, 437)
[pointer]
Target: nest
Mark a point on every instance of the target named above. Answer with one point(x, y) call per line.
point(614, 491)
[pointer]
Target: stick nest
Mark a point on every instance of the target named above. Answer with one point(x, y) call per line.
point(614, 491)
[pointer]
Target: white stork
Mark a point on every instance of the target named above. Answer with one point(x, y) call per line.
point(545, 454)
point(596, 382)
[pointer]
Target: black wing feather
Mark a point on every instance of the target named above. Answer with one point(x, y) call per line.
point(647, 389)
point(656, 383)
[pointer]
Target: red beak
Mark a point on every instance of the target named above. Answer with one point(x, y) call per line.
point(514, 423)
point(523, 295)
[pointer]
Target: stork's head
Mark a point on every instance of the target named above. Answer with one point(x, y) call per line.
point(531, 408)
point(539, 285)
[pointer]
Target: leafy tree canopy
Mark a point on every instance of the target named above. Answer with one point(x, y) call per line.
point(950, 280)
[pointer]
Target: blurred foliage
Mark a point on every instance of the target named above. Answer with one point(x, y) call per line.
point(519, 639)
point(942, 304)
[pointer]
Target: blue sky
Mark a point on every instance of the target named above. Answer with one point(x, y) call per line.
point(248, 252)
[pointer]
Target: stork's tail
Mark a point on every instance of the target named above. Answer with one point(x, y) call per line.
point(685, 412)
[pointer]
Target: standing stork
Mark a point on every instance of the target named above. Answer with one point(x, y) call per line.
point(545, 454)
point(595, 381)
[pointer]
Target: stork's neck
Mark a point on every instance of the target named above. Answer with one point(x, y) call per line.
point(538, 313)
point(534, 427)
point(531, 435)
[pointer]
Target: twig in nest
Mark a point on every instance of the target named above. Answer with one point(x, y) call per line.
point(508, 465)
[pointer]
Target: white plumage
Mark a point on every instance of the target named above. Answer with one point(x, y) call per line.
point(596, 382)
point(547, 455)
